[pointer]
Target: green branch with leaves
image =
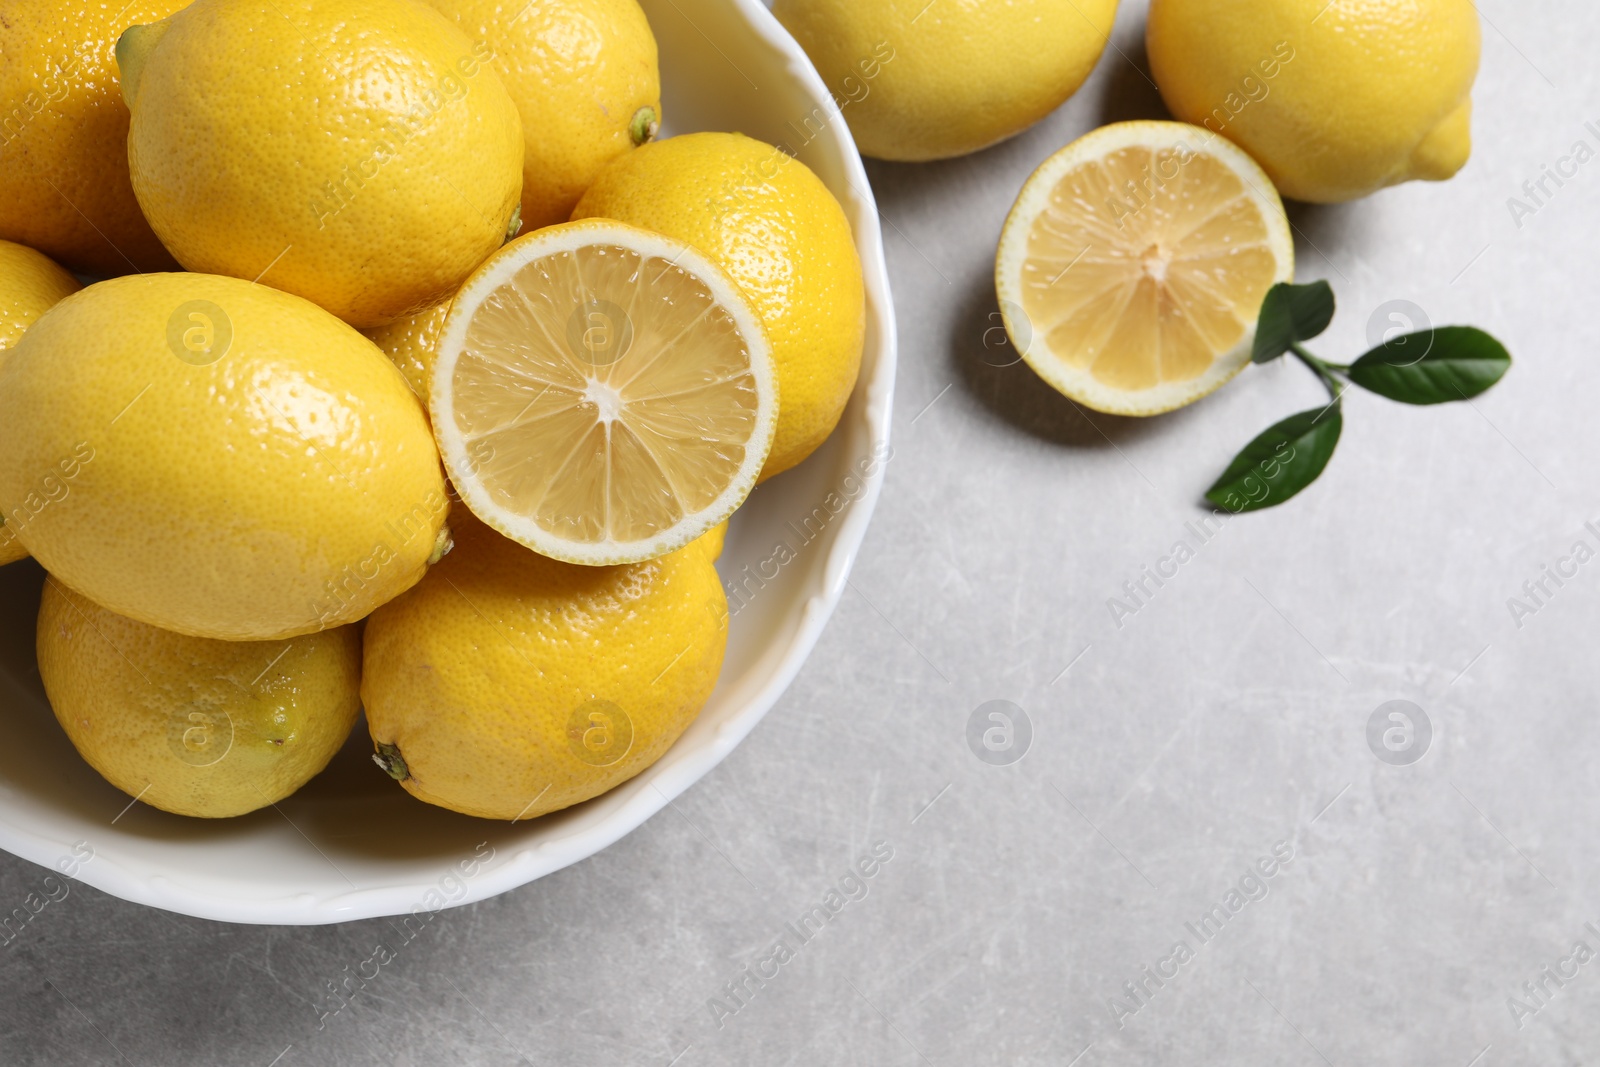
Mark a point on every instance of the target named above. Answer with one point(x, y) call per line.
point(1433, 366)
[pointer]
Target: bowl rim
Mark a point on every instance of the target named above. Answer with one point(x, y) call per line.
point(666, 780)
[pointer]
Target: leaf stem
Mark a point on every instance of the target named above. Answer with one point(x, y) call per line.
point(1324, 370)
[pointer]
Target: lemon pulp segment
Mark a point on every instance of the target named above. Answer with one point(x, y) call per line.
point(1132, 267)
point(606, 398)
point(1142, 293)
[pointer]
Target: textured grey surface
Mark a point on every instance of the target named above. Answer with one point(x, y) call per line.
point(1169, 754)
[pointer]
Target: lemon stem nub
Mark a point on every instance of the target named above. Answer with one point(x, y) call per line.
point(644, 125)
point(394, 765)
point(129, 62)
point(132, 49)
point(515, 224)
point(442, 544)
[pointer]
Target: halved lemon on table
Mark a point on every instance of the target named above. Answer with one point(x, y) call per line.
point(602, 394)
point(1133, 265)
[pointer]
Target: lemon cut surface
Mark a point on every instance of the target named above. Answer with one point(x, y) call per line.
point(602, 394)
point(1133, 265)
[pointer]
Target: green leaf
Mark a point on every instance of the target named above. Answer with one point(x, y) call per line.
point(1433, 366)
point(1291, 313)
point(1280, 462)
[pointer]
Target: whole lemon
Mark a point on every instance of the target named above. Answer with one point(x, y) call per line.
point(191, 725)
point(770, 223)
point(507, 685)
point(30, 284)
point(412, 343)
point(584, 76)
point(1334, 100)
point(64, 136)
point(359, 153)
point(216, 458)
point(918, 80)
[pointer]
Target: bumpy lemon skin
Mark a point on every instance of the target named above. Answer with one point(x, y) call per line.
point(919, 81)
point(288, 485)
point(580, 72)
point(770, 223)
point(1335, 101)
point(478, 682)
point(359, 153)
point(64, 136)
point(11, 548)
point(713, 540)
point(30, 284)
point(412, 344)
point(189, 725)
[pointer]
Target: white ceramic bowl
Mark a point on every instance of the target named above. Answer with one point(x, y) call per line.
point(352, 844)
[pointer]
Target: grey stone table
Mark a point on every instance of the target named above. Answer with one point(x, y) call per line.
point(1177, 752)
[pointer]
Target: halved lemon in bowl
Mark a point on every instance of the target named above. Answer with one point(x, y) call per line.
point(1132, 267)
point(602, 394)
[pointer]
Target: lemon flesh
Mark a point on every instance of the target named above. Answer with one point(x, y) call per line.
point(771, 223)
point(1132, 268)
point(602, 394)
